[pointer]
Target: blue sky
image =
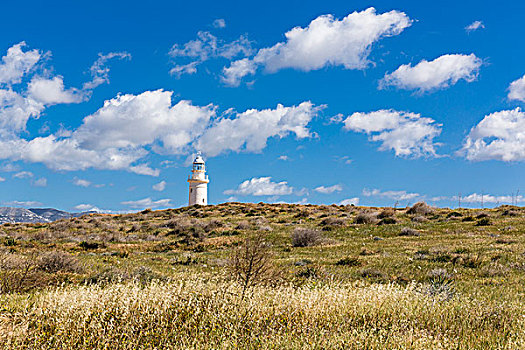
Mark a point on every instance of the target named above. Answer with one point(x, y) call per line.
point(102, 105)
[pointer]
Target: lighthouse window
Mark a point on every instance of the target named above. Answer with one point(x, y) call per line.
point(203, 200)
point(191, 190)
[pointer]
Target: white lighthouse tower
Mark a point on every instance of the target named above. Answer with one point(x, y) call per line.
point(198, 182)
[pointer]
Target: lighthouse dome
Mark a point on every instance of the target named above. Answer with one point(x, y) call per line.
point(198, 159)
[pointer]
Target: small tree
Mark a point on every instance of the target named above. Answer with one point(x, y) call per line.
point(252, 263)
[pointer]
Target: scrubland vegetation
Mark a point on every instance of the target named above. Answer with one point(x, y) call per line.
point(267, 276)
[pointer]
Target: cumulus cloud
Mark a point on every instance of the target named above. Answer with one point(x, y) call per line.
point(2, 179)
point(408, 134)
point(326, 41)
point(329, 189)
point(350, 201)
point(17, 107)
point(440, 73)
point(206, 46)
point(499, 136)
point(396, 195)
point(159, 186)
point(219, 23)
point(17, 63)
point(517, 90)
point(51, 91)
point(147, 203)
point(81, 182)
point(474, 26)
point(250, 130)
point(261, 186)
point(108, 138)
point(233, 74)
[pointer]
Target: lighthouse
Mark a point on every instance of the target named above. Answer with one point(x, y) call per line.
point(198, 182)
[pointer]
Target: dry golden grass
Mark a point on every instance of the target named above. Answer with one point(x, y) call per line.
point(198, 313)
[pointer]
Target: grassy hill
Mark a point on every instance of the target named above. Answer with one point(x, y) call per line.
point(267, 276)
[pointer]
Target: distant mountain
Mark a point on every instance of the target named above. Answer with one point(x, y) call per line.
point(12, 215)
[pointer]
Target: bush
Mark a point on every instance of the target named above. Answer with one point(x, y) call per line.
point(304, 237)
point(483, 222)
point(348, 261)
point(407, 231)
point(56, 261)
point(386, 213)
point(252, 264)
point(90, 245)
point(420, 208)
point(365, 218)
point(243, 225)
point(472, 261)
point(440, 285)
point(373, 274)
point(333, 221)
point(387, 221)
point(419, 219)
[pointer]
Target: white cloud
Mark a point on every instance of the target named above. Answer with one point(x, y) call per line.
point(233, 74)
point(474, 26)
point(159, 186)
point(147, 203)
point(517, 90)
point(15, 111)
point(326, 41)
point(261, 186)
point(115, 125)
point(219, 23)
point(329, 189)
point(23, 175)
point(2, 179)
point(206, 46)
point(499, 136)
point(488, 198)
point(440, 73)
point(81, 182)
point(42, 182)
point(23, 203)
point(100, 71)
point(108, 139)
point(51, 91)
point(144, 169)
point(408, 134)
point(284, 157)
point(396, 195)
point(350, 201)
point(17, 63)
point(249, 131)
point(9, 167)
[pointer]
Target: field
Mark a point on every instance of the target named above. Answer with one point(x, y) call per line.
point(277, 276)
